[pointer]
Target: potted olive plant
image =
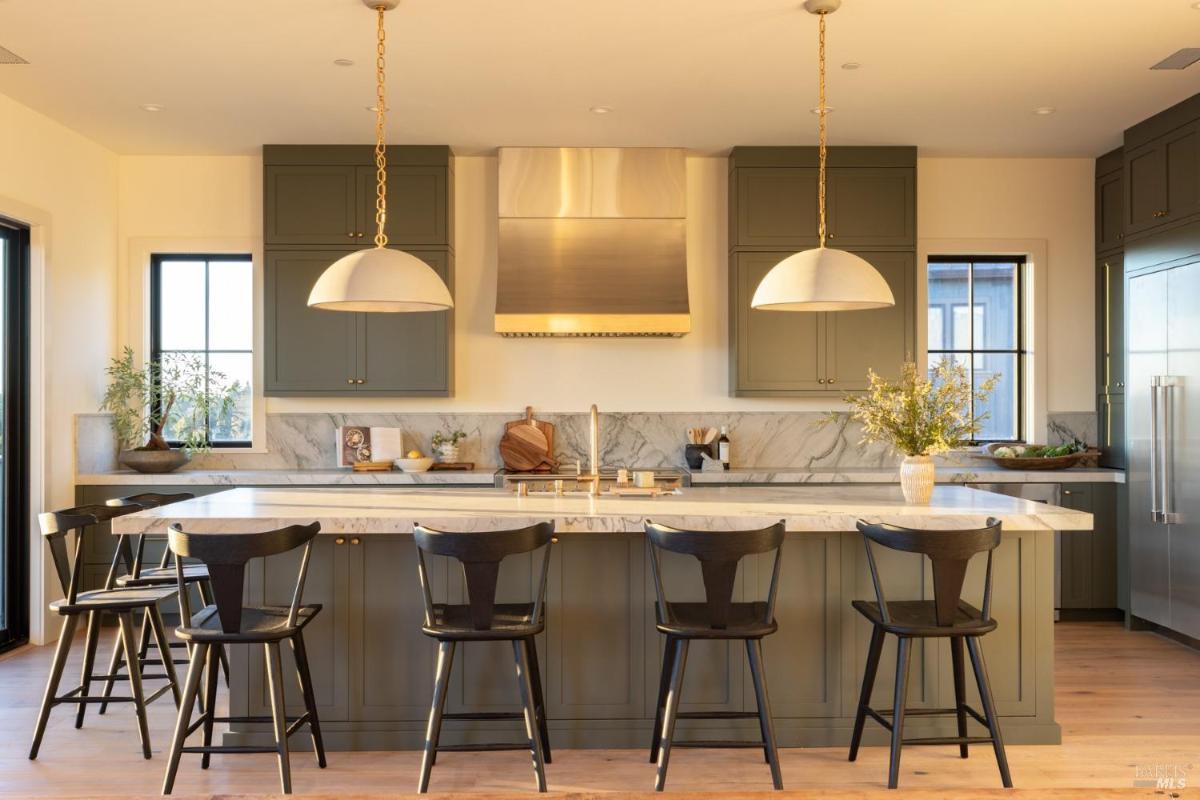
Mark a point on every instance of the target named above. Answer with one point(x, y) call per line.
point(920, 416)
point(165, 401)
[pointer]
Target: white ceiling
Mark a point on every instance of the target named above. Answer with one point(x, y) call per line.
point(956, 77)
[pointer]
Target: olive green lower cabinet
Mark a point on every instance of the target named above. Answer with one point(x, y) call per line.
point(373, 669)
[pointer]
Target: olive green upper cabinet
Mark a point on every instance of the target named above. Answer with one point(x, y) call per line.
point(1162, 174)
point(313, 352)
point(325, 195)
point(881, 339)
point(1110, 202)
point(870, 193)
point(409, 354)
point(871, 197)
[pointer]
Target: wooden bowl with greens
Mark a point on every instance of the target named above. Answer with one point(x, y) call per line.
point(1037, 456)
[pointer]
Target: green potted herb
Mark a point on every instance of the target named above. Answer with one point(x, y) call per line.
point(170, 400)
point(445, 444)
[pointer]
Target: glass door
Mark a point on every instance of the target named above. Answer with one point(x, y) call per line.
point(14, 434)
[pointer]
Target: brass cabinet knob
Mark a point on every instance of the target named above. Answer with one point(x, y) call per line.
point(339, 540)
point(350, 380)
point(350, 234)
point(359, 234)
point(821, 380)
point(356, 540)
point(830, 380)
point(361, 380)
point(553, 540)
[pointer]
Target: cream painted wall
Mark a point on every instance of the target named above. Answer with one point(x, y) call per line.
point(1031, 198)
point(1051, 199)
point(65, 187)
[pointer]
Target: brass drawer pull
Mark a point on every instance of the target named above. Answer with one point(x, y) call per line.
point(339, 540)
point(356, 540)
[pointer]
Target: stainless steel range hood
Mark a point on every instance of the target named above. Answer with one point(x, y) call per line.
point(593, 242)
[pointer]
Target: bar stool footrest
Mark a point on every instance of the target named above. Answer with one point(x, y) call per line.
point(948, 740)
point(240, 748)
point(484, 715)
point(717, 715)
point(720, 744)
point(482, 748)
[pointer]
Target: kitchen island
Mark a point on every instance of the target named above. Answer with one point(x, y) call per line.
point(373, 669)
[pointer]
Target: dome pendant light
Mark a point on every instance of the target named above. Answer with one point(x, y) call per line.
point(380, 279)
point(822, 279)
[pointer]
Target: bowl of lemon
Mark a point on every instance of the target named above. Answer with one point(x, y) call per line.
point(415, 462)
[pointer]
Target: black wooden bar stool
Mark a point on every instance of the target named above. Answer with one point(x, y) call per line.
point(718, 617)
point(485, 620)
point(122, 603)
point(946, 616)
point(227, 621)
point(138, 575)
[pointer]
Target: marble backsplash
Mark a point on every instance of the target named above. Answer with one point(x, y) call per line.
point(651, 440)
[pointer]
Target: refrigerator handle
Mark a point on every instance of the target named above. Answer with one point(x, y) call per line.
point(1155, 454)
point(1168, 449)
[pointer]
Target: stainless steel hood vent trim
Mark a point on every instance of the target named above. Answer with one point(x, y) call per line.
point(592, 242)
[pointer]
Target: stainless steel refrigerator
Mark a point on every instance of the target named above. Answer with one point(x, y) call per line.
point(1163, 439)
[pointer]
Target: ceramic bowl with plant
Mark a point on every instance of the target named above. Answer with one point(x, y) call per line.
point(921, 415)
point(176, 400)
point(445, 444)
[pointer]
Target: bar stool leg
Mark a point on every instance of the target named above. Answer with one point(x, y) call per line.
point(114, 664)
point(989, 708)
point(279, 714)
point(539, 698)
point(89, 660)
point(868, 684)
point(135, 678)
point(310, 697)
point(671, 712)
point(210, 699)
point(159, 628)
point(903, 657)
point(56, 671)
point(960, 698)
point(433, 728)
point(531, 723)
point(664, 685)
point(184, 719)
point(754, 653)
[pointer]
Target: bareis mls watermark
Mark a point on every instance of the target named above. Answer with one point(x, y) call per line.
point(1161, 776)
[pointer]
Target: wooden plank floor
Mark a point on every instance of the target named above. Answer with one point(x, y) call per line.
point(1127, 701)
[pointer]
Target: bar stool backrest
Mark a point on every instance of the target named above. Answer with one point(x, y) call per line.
point(719, 553)
point(480, 553)
point(56, 525)
point(226, 554)
point(948, 551)
point(133, 556)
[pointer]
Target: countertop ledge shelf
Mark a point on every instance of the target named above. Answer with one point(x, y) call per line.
point(803, 508)
point(981, 473)
point(984, 473)
point(288, 477)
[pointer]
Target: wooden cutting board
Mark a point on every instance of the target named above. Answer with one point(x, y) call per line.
point(528, 444)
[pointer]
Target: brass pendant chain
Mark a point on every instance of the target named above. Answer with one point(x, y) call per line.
point(380, 150)
point(821, 130)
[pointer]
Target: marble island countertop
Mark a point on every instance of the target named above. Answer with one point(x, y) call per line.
point(803, 508)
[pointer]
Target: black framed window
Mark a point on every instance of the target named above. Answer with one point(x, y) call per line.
point(14, 447)
point(201, 306)
point(976, 317)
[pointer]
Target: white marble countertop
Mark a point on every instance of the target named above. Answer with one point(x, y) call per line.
point(803, 508)
point(288, 477)
point(983, 472)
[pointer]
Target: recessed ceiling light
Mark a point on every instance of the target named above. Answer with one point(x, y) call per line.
point(816, 110)
point(1196, 6)
point(600, 109)
point(151, 107)
point(343, 62)
point(851, 65)
point(1044, 111)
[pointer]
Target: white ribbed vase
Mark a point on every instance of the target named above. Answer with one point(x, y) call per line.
point(916, 479)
